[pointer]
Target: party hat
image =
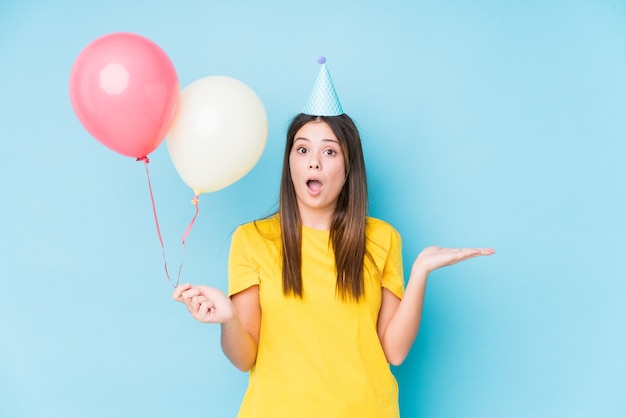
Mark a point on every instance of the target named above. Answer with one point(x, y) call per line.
point(323, 100)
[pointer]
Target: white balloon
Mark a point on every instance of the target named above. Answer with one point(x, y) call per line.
point(219, 133)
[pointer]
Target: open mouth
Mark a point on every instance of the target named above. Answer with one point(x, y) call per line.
point(314, 185)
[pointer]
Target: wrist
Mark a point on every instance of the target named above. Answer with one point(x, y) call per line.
point(230, 317)
point(419, 270)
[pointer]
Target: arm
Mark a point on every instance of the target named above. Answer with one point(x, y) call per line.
point(240, 336)
point(399, 320)
point(240, 319)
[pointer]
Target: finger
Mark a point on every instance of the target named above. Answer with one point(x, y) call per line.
point(207, 305)
point(196, 301)
point(178, 291)
point(470, 251)
point(190, 293)
point(207, 308)
point(483, 251)
point(467, 253)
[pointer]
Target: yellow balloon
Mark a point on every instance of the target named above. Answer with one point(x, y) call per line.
point(218, 134)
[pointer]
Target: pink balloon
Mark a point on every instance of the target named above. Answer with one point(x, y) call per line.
point(124, 90)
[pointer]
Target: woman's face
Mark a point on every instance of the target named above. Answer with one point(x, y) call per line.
point(317, 168)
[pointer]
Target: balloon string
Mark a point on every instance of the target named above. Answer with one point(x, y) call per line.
point(195, 202)
point(156, 220)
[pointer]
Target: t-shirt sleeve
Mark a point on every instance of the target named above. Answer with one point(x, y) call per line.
point(242, 270)
point(393, 274)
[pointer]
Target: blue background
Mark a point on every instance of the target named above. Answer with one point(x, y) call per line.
point(485, 123)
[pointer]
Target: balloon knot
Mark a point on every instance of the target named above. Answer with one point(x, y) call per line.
point(145, 159)
point(321, 60)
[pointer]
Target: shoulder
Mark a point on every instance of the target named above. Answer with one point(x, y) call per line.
point(381, 234)
point(377, 227)
point(267, 228)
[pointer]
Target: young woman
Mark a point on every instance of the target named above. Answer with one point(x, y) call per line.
point(317, 308)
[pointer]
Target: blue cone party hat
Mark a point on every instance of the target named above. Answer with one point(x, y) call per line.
point(323, 100)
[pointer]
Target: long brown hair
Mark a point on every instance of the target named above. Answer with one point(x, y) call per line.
point(347, 229)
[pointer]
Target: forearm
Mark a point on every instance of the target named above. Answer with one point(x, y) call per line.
point(238, 345)
point(401, 329)
point(403, 326)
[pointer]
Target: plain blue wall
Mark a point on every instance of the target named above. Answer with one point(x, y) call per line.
point(485, 123)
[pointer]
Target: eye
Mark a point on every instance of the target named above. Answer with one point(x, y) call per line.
point(330, 151)
point(301, 150)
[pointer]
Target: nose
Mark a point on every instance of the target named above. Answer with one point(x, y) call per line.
point(313, 163)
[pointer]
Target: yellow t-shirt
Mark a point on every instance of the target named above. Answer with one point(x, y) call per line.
point(318, 356)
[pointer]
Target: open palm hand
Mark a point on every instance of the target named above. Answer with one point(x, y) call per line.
point(432, 258)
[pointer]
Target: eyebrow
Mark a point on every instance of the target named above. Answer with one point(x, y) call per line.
point(300, 138)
